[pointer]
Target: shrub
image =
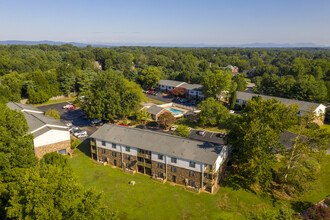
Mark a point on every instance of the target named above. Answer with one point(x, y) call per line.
point(317, 212)
point(179, 91)
point(38, 97)
point(53, 113)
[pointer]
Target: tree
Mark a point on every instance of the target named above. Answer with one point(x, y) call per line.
point(66, 77)
point(178, 91)
point(241, 83)
point(53, 113)
point(233, 99)
point(182, 131)
point(85, 79)
point(111, 96)
point(166, 119)
point(255, 138)
point(142, 115)
point(300, 162)
point(16, 145)
point(212, 112)
point(216, 82)
point(149, 78)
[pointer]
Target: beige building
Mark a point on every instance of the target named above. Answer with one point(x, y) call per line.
point(50, 135)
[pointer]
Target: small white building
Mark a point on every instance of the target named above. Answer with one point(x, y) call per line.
point(50, 135)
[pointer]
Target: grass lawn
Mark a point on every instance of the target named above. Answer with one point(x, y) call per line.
point(326, 126)
point(154, 101)
point(152, 200)
point(59, 100)
point(194, 125)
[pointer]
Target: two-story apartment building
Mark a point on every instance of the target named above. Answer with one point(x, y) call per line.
point(317, 108)
point(168, 85)
point(50, 135)
point(195, 164)
point(192, 90)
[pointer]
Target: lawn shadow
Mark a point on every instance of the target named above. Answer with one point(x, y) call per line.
point(85, 147)
point(300, 206)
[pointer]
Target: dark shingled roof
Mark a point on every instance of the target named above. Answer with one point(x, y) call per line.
point(192, 86)
point(154, 109)
point(172, 83)
point(305, 106)
point(175, 146)
point(36, 121)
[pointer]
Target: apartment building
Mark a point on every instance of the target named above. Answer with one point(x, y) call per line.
point(50, 135)
point(195, 164)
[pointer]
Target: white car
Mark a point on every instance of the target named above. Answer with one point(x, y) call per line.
point(231, 111)
point(67, 106)
point(82, 135)
point(79, 133)
point(74, 129)
point(96, 121)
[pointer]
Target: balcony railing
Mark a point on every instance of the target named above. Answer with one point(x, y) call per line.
point(93, 151)
point(209, 170)
point(209, 181)
point(140, 163)
point(93, 143)
point(144, 155)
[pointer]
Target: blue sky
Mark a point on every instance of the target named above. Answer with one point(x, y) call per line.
point(167, 21)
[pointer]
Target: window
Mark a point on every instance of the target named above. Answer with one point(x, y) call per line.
point(160, 165)
point(114, 146)
point(104, 159)
point(173, 160)
point(160, 157)
point(191, 173)
point(191, 183)
point(103, 151)
point(127, 157)
point(62, 151)
point(103, 143)
point(160, 174)
point(93, 147)
point(114, 154)
point(192, 164)
point(173, 169)
point(128, 149)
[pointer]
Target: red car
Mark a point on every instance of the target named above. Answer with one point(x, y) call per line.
point(71, 107)
point(123, 125)
point(150, 92)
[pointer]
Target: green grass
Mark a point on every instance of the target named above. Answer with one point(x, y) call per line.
point(154, 101)
point(152, 200)
point(49, 102)
point(194, 125)
point(326, 126)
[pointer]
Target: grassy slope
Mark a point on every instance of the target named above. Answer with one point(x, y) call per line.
point(59, 100)
point(152, 200)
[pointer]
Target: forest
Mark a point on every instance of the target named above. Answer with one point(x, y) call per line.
point(39, 72)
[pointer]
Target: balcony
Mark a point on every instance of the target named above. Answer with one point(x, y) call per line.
point(144, 155)
point(93, 151)
point(92, 143)
point(140, 163)
point(210, 171)
point(209, 181)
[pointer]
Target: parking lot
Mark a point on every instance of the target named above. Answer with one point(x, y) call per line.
point(74, 116)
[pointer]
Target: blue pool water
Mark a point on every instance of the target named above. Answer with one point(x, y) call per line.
point(175, 111)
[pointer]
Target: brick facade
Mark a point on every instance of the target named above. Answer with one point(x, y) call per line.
point(56, 147)
point(109, 156)
point(156, 169)
point(182, 176)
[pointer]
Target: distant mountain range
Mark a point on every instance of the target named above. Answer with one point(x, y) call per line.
point(256, 45)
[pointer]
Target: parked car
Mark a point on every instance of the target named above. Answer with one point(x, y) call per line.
point(70, 107)
point(201, 132)
point(183, 100)
point(80, 133)
point(69, 124)
point(67, 106)
point(231, 111)
point(74, 129)
point(150, 92)
point(96, 121)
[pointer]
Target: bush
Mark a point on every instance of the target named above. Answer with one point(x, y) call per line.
point(75, 143)
point(317, 212)
point(166, 120)
point(38, 97)
point(133, 123)
point(53, 113)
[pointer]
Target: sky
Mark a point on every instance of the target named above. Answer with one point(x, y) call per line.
point(217, 22)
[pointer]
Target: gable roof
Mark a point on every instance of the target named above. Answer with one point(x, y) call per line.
point(174, 146)
point(305, 106)
point(154, 109)
point(46, 129)
point(171, 83)
point(192, 86)
point(22, 107)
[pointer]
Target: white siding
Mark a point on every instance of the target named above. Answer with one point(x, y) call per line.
point(154, 157)
point(184, 164)
point(119, 148)
point(51, 137)
point(320, 110)
point(222, 157)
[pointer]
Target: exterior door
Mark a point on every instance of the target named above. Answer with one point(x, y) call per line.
point(174, 179)
point(115, 162)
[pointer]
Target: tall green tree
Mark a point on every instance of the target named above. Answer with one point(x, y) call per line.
point(216, 82)
point(149, 78)
point(111, 96)
point(66, 77)
point(212, 112)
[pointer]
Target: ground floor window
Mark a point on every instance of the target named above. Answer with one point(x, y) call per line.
point(62, 151)
point(160, 174)
point(191, 183)
point(104, 159)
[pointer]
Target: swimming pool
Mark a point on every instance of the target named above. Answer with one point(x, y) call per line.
point(175, 111)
